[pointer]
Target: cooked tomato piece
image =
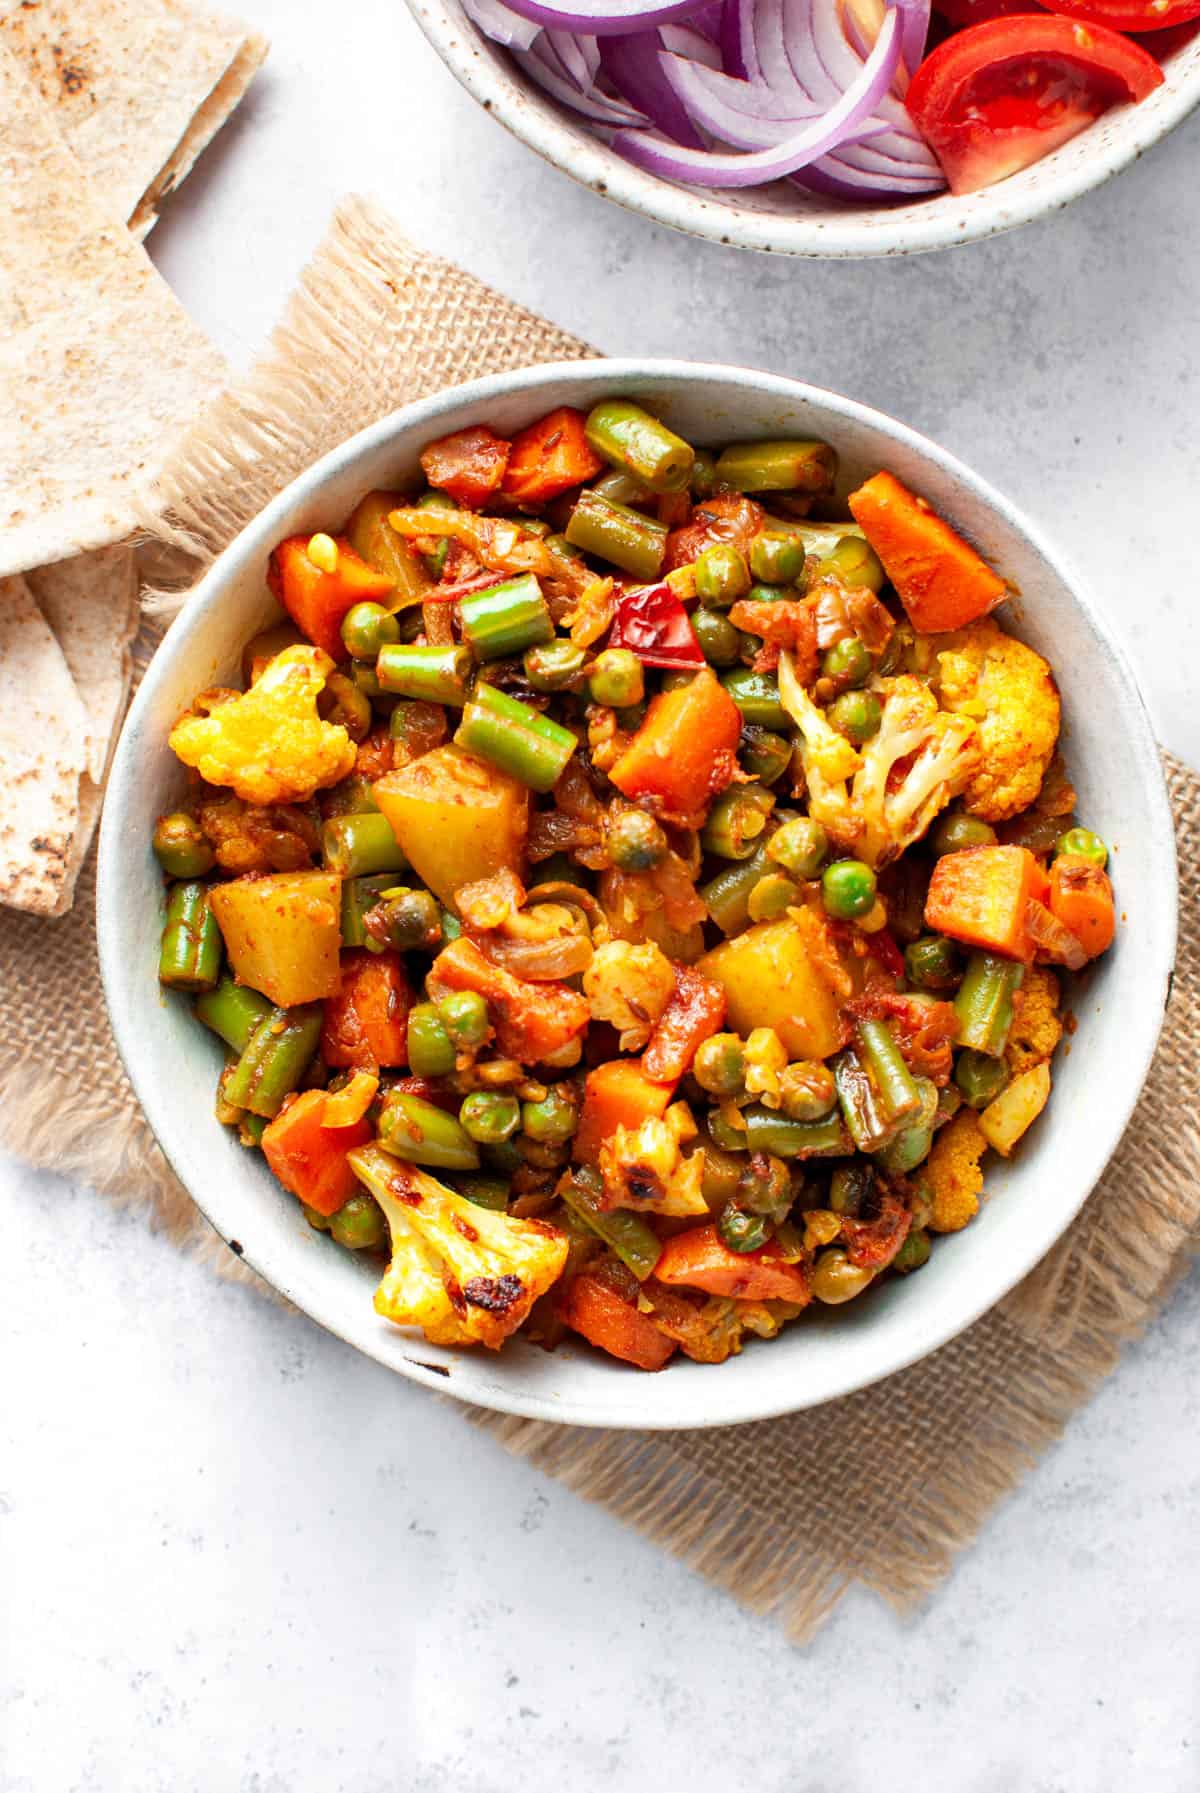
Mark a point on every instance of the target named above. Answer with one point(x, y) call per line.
point(469, 465)
point(1000, 95)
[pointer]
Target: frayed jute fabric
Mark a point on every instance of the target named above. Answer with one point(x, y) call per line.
point(881, 1489)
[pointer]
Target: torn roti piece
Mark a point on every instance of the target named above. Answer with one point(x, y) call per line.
point(42, 758)
point(91, 603)
point(100, 366)
point(137, 87)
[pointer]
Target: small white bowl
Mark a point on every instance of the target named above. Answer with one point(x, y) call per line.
point(782, 218)
point(173, 1062)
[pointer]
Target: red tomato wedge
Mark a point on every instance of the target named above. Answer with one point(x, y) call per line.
point(1130, 15)
point(998, 96)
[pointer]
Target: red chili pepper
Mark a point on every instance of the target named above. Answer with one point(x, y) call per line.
point(652, 622)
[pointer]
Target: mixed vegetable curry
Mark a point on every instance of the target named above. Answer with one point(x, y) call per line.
point(631, 896)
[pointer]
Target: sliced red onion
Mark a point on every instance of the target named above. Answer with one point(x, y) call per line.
point(590, 104)
point(689, 40)
point(632, 64)
point(605, 18)
point(580, 56)
point(502, 25)
point(732, 169)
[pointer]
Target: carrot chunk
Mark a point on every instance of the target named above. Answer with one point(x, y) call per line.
point(980, 896)
point(942, 582)
point(613, 1325)
point(618, 1094)
point(532, 1021)
point(694, 1013)
point(686, 749)
point(1081, 898)
point(317, 600)
point(366, 1021)
point(310, 1158)
point(700, 1260)
point(550, 457)
point(469, 465)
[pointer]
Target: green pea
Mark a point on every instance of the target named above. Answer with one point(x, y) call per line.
point(766, 756)
point(317, 1221)
point(489, 1117)
point(855, 562)
point(368, 627)
point(553, 1119)
point(857, 715)
point(807, 1091)
point(1081, 843)
point(933, 963)
point(851, 1187)
point(722, 576)
point(980, 1077)
point(430, 1048)
point(719, 641)
point(955, 831)
point(771, 897)
point(181, 848)
point(776, 557)
point(464, 1015)
point(736, 820)
point(800, 846)
point(765, 1187)
point(636, 843)
point(848, 663)
point(405, 919)
point(835, 1279)
point(720, 1177)
point(756, 695)
point(485, 1192)
point(740, 1231)
point(848, 889)
point(617, 678)
point(359, 1225)
point(719, 1067)
point(905, 1150)
point(913, 1253)
point(553, 666)
point(766, 594)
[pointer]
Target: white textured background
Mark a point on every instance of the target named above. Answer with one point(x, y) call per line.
point(233, 1555)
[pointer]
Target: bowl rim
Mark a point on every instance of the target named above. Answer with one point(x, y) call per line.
point(848, 234)
point(126, 997)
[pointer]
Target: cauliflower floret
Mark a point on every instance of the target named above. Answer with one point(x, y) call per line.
point(765, 1057)
point(629, 986)
point(643, 1168)
point(269, 744)
point(952, 1175)
point(877, 802)
point(466, 1275)
point(1036, 1028)
point(1010, 691)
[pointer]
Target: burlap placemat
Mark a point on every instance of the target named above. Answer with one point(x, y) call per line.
point(882, 1488)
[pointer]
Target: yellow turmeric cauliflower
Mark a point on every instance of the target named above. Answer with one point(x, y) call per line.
point(269, 744)
point(1036, 1028)
point(952, 1175)
point(629, 986)
point(465, 1275)
point(1010, 692)
point(643, 1167)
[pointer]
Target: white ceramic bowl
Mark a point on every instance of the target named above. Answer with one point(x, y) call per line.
point(173, 1062)
point(782, 218)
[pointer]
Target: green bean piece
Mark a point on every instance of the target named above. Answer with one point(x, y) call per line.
point(769, 1131)
point(535, 526)
point(406, 919)
point(251, 1128)
point(902, 1153)
point(954, 831)
point(848, 889)
point(359, 1224)
point(980, 1077)
point(520, 741)
point(357, 846)
point(226, 1111)
point(807, 1091)
point(275, 1059)
point(718, 640)
point(637, 442)
point(636, 842)
point(736, 820)
point(617, 679)
point(722, 576)
point(914, 1253)
point(704, 474)
point(181, 848)
point(727, 896)
point(777, 557)
point(756, 695)
point(626, 1233)
point(365, 679)
point(856, 563)
point(464, 1015)
point(984, 1003)
point(345, 706)
point(192, 948)
point(506, 619)
point(848, 663)
point(724, 1134)
point(435, 675)
point(933, 963)
point(898, 1093)
point(851, 1187)
point(620, 487)
point(553, 667)
point(552, 1120)
point(836, 1280)
point(764, 755)
point(353, 797)
point(233, 1011)
point(860, 1104)
point(772, 897)
point(486, 1192)
point(765, 1186)
point(359, 896)
point(615, 533)
point(422, 1133)
point(430, 1049)
point(366, 628)
point(800, 846)
point(786, 466)
point(1081, 843)
point(741, 1231)
point(719, 1066)
point(857, 715)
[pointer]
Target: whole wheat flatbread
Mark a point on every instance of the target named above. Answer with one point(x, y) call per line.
point(91, 604)
point(99, 364)
point(137, 87)
point(42, 758)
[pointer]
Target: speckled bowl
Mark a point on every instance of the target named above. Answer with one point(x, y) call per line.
point(173, 1062)
point(782, 219)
